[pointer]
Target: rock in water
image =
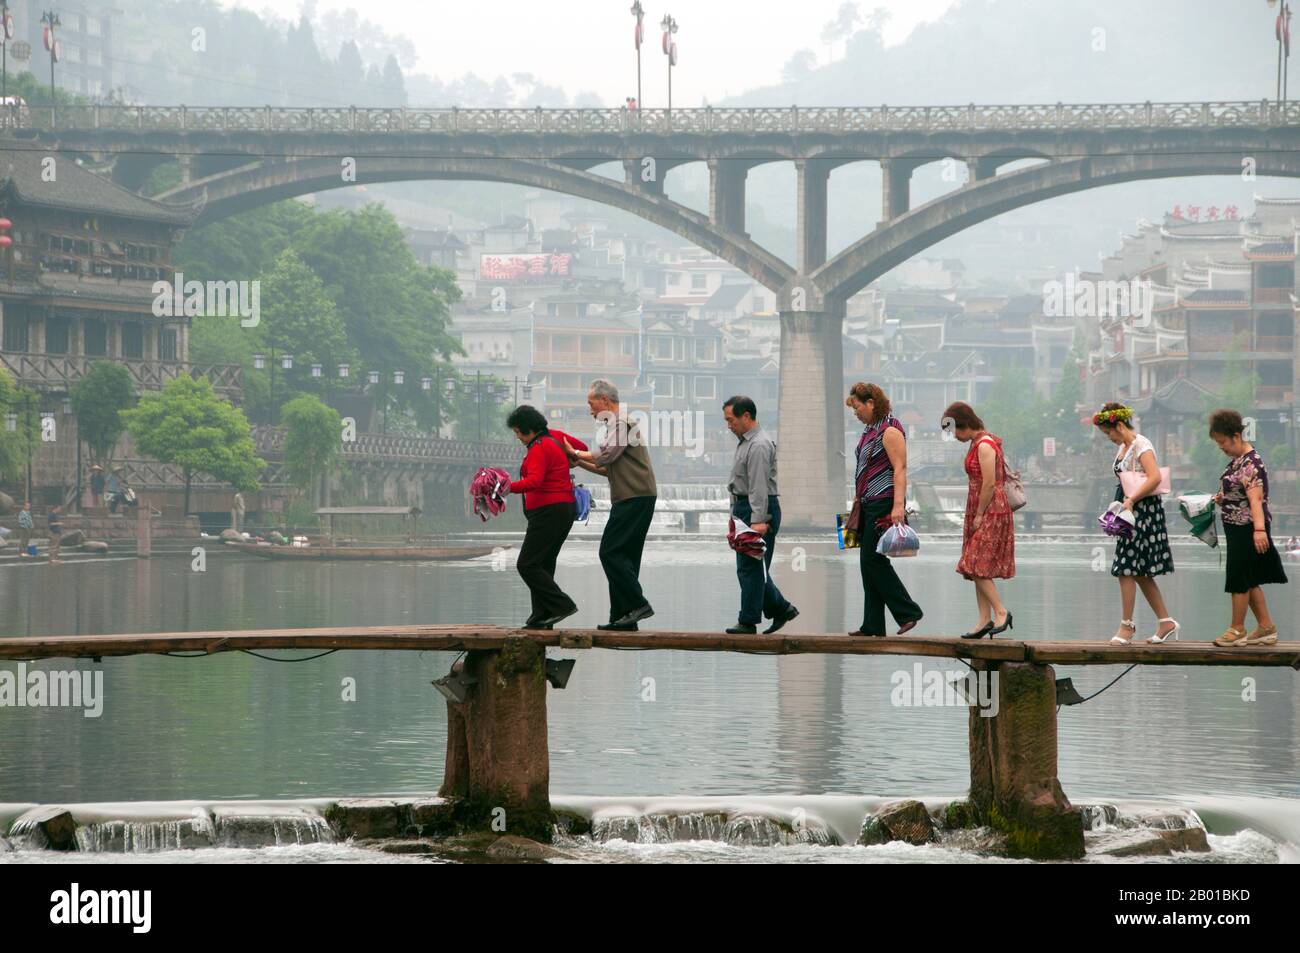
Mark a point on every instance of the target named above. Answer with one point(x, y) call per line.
point(510, 847)
point(6, 504)
point(94, 546)
point(54, 823)
point(899, 820)
point(73, 537)
point(229, 535)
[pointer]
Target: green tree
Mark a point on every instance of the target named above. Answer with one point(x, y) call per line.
point(396, 310)
point(1236, 390)
point(15, 444)
point(98, 400)
point(300, 318)
point(1061, 412)
point(311, 443)
point(1014, 412)
point(189, 425)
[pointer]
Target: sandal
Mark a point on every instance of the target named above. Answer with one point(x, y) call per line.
point(1231, 636)
point(1127, 624)
point(1263, 635)
point(1158, 639)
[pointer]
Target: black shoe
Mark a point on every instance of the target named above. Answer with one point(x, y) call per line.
point(635, 616)
point(618, 627)
point(538, 625)
point(790, 613)
point(741, 628)
point(979, 633)
point(878, 635)
point(552, 620)
point(1003, 627)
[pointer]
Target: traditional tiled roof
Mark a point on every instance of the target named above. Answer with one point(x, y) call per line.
point(80, 190)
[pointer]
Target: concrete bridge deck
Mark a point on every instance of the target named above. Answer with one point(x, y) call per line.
point(458, 638)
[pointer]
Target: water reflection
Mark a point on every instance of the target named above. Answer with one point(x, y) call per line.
point(233, 726)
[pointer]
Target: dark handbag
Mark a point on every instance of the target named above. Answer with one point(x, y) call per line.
point(854, 522)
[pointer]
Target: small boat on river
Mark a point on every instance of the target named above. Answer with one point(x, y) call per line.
point(391, 553)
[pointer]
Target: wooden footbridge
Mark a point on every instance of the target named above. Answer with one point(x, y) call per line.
point(497, 753)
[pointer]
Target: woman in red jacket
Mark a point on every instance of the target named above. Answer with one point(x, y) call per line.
point(547, 488)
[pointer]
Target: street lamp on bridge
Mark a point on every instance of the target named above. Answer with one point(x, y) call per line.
point(669, 26)
point(1282, 30)
point(51, 20)
point(639, 12)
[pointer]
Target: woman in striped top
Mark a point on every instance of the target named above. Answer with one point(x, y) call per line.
point(880, 486)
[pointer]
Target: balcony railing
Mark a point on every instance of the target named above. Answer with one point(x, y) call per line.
point(1275, 343)
point(59, 371)
point(1274, 393)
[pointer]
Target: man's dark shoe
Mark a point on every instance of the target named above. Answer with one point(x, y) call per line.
point(741, 629)
point(618, 627)
point(635, 616)
point(790, 613)
point(537, 625)
point(552, 620)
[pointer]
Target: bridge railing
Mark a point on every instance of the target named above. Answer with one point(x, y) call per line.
point(403, 449)
point(702, 121)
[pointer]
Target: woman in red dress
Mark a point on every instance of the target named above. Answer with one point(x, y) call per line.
point(988, 549)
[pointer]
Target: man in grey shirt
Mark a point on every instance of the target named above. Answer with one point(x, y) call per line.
point(624, 458)
point(754, 500)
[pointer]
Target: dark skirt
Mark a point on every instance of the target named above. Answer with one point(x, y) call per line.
point(1246, 567)
point(1146, 552)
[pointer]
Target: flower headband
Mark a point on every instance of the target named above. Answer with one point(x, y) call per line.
point(1119, 414)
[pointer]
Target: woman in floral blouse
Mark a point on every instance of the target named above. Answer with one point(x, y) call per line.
point(1253, 560)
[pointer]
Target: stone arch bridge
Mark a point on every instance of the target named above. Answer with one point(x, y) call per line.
point(233, 159)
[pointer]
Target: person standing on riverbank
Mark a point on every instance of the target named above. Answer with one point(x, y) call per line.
point(1144, 555)
point(55, 522)
point(754, 500)
point(880, 486)
point(25, 527)
point(624, 459)
point(1253, 560)
point(549, 507)
point(97, 485)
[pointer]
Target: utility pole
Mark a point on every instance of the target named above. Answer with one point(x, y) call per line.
point(669, 26)
point(639, 12)
point(51, 21)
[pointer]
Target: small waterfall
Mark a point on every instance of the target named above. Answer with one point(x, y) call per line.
point(748, 830)
point(239, 829)
point(140, 837)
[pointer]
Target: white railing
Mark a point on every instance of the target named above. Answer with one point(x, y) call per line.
point(708, 120)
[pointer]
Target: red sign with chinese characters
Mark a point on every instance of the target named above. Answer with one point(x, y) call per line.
point(1196, 213)
point(524, 267)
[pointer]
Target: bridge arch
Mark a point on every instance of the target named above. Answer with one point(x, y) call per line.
point(918, 229)
point(256, 184)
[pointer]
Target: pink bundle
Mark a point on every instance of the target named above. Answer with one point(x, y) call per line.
point(488, 491)
point(745, 540)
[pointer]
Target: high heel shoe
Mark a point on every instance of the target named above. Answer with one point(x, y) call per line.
point(1158, 639)
point(979, 633)
point(1003, 627)
point(1125, 624)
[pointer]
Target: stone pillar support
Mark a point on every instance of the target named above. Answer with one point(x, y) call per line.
point(810, 438)
point(498, 763)
point(1013, 783)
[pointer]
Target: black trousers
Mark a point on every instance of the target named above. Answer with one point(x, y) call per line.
point(759, 595)
point(548, 528)
point(621, 545)
point(880, 584)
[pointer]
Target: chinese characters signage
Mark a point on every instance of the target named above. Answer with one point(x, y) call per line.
point(1212, 213)
point(523, 267)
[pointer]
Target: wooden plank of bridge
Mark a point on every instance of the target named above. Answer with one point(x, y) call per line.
point(470, 637)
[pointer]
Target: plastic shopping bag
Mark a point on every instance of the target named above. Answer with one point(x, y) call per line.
point(899, 541)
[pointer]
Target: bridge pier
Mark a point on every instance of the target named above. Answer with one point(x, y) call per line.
point(498, 764)
point(810, 444)
point(1013, 783)
point(727, 194)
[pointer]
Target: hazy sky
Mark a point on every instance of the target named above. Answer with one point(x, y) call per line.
point(724, 46)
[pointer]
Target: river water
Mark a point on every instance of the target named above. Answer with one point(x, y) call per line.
point(687, 729)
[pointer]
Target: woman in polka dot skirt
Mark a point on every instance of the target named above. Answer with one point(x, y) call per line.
point(1144, 555)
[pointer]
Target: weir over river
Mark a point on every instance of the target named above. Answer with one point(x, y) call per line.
point(652, 754)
